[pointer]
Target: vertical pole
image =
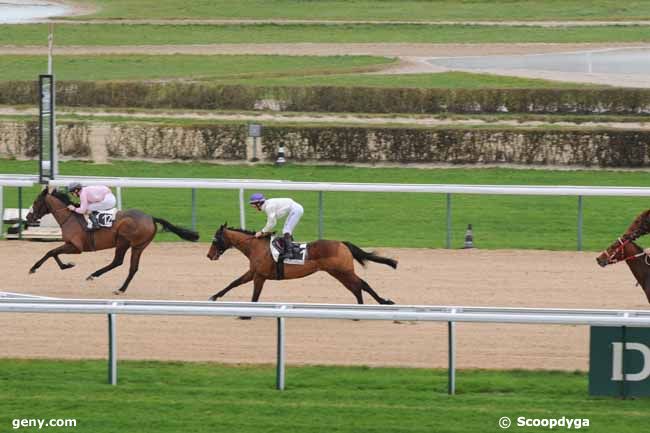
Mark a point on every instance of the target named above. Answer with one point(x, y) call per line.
point(451, 326)
point(50, 71)
point(320, 214)
point(448, 245)
point(281, 356)
point(20, 212)
point(623, 381)
point(242, 209)
point(579, 223)
point(119, 198)
point(2, 213)
point(194, 209)
point(112, 350)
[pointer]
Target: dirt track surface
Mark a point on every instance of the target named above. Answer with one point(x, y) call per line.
point(435, 277)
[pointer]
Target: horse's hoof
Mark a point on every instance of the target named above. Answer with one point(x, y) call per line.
point(90, 278)
point(32, 271)
point(213, 298)
point(67, 266)
point(117, 292)
point(389, 302)
point(244, 318)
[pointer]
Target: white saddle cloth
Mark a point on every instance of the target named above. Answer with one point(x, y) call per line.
point(106, 218)
point(301, 261)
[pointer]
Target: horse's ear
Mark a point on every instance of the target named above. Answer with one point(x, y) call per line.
point(224, 225)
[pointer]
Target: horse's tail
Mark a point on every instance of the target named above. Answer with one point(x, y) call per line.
point(186, 234)
point(362, 256)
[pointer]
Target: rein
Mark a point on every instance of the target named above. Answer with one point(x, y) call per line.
point(611, 258)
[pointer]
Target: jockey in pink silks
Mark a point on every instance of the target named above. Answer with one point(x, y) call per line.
point(91, 199)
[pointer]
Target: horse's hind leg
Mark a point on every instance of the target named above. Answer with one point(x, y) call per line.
point(356, 285)
point(351, 282)
point(366, 287)
point(136, 252)
point(120, 251)
point(63, 249)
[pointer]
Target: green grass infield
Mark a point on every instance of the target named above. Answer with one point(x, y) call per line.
point(208, 397)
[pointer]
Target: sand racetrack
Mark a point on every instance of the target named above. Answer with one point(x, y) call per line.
point(436, 277)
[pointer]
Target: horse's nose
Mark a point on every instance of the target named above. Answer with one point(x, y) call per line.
point(601, 262)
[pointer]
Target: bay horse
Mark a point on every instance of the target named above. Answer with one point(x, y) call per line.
point(131, 229)
point(334, 257)
point(624, 249)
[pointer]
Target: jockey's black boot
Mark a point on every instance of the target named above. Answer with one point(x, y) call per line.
point(93, 220)
point(287, 245)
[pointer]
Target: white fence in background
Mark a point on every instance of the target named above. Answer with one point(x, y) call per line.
point(321, 187)
point(283, 311)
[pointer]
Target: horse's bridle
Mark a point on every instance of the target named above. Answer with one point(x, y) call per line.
point(221, 244)
point(611, 258)
point(54, 211)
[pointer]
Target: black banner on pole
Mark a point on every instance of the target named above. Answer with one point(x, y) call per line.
point(46, 128)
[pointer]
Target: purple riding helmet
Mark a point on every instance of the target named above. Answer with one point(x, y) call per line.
point(258, 197)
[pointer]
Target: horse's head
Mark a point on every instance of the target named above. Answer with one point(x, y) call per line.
point(620, 250)
point(39, 207)
point(49, 200)
point(220, 243)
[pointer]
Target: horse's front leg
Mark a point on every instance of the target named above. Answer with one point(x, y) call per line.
point(238, 282)
point(66, 248)
point(258, 284)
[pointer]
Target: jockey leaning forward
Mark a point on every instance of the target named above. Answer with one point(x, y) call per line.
point(276, 208)
point(91, 199)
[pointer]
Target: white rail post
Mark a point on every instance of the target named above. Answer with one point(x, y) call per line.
point(281, 356)
point(320, 214)
point(579, 223)
point(2, 213)
point(20, 212)
point(451, 326)
point(119, 198)
point(112, 349)
point(194, 209)
point(242, 209)
point(448, 244)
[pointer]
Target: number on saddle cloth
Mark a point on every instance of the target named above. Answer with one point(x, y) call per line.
point(106, 218)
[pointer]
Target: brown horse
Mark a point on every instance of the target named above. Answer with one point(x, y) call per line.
point(638, 261)
point(131, 229)
point(334, 257)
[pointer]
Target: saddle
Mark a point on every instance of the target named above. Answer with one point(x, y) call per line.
point(103, 218)
point(296, 255)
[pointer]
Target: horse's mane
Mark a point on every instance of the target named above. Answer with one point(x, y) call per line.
point(248, 232)
point(61, 196)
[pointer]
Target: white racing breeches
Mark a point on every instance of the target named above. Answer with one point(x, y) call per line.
point(107, 204)
point(292, 219)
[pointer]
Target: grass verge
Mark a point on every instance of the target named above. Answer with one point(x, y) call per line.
point(203, 397)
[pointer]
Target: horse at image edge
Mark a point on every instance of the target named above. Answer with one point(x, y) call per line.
point(132, 229)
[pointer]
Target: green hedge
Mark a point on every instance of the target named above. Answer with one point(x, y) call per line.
point(179, 95)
